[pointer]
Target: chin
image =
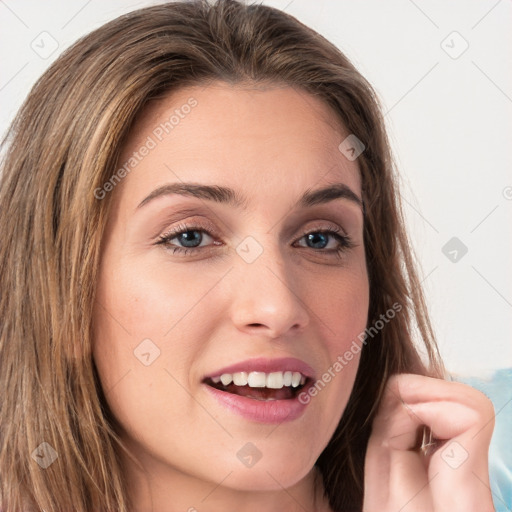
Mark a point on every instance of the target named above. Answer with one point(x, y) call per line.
point(271, 477)
point(266, 468)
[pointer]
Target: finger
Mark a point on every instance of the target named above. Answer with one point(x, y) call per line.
point(457, 472)
point(413, 388)
point(449, 419)
point(471, 409)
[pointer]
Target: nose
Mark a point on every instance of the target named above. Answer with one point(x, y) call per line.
point(268, 296)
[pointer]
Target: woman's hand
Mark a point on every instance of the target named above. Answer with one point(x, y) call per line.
point(454, 476)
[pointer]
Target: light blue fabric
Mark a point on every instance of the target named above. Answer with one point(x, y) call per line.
point(498, 388)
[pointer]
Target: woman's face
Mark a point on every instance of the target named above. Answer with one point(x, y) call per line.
point(263, 291)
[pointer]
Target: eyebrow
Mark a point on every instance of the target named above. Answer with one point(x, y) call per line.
point(230, 197)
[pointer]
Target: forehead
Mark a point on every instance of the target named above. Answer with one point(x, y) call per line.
point(251, 137)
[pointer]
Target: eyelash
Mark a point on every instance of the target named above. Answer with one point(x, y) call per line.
point(344, 240)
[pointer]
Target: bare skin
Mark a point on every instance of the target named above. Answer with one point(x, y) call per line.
point(210, 308)
point(455, 474)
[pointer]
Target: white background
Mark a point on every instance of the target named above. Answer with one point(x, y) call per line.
point(449, 120)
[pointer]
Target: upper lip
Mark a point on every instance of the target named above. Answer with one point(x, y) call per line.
point(262, 364)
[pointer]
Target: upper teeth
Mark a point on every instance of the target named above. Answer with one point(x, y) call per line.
point(274, 380)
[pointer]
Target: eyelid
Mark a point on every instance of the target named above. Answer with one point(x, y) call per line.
point(320, 225)
point(188, 226)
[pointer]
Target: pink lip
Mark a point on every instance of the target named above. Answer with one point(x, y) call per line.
point(276, 411)
point(271, 411)
point(284, 364)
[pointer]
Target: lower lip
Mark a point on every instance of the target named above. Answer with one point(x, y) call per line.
point(262, 411)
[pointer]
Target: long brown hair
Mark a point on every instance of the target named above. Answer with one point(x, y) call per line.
point(65, 143)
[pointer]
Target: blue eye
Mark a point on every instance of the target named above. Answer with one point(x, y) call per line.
point(190, 241)
point(320, 239)
point(191, 237)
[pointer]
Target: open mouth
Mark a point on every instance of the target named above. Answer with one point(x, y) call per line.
point(260, 385)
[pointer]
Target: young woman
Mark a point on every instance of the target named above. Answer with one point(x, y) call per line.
point(208, 298)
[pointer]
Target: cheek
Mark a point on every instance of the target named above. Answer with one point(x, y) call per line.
point(147, 300)
point(340, 301)
point(146, 309)
point(341, 308)
point(144, 343)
